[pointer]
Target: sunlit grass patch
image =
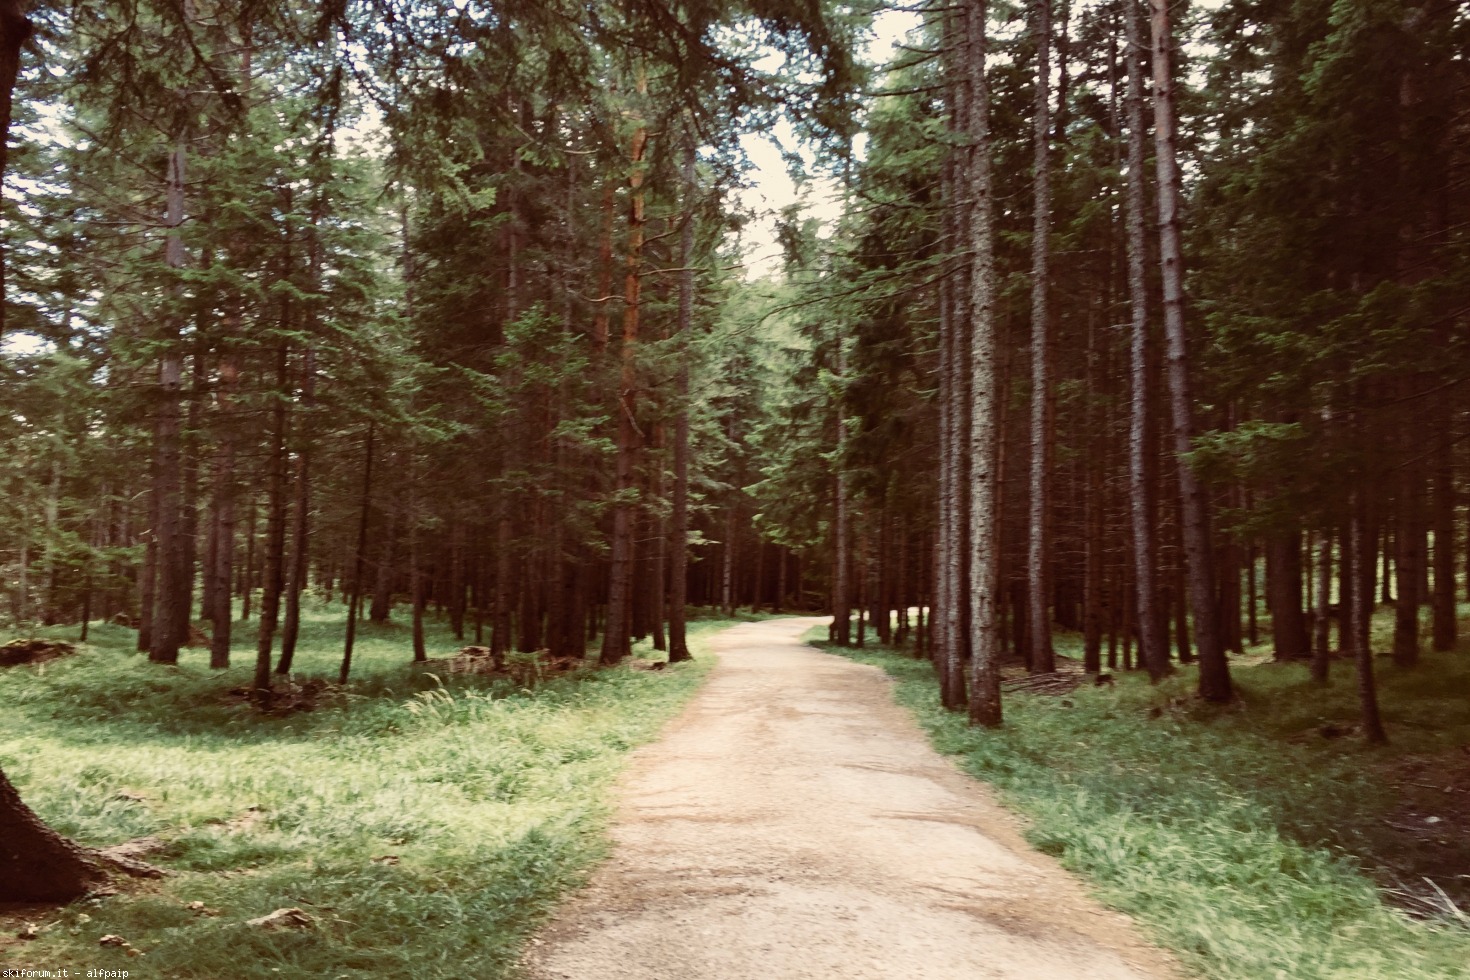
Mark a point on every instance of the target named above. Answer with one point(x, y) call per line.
point(1230, 833)
point(426, 823)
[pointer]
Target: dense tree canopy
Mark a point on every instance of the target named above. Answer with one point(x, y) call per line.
point(434, 308)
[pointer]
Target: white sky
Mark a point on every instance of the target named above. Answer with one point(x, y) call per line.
point(773, 187)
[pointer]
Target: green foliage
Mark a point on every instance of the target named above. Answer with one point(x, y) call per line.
point(426, 820)
point(1229, 834)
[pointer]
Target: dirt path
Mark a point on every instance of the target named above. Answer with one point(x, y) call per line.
point(794, 823)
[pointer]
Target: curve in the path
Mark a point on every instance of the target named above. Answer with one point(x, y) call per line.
point(795, 823)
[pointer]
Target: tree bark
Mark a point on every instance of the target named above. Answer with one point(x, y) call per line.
point(500, 623)
point(1445, 625)
point(1142, 500)
point(1408, 538)
point(301, 530)
point(273, 578)
point(36, 863)
point(15, 30)
point(381, 609)
point(147, 581)
point(1360, 616)
point(1214, 672)
point(359, 557)
point(415, 561)
point(456, 575)
point(189, 500)
point(1284, 595)
point(1041, 657)
point(222, 560)
point(951, 615)
point(842, 529)
point(615, 637)
point(247, 581)
point(1253, 633)
point(170, 584)
point(679, 543)
point(1094, 542)
point(1321, 645)
point(984, 434)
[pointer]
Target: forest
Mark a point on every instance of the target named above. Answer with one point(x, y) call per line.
point(346, 344)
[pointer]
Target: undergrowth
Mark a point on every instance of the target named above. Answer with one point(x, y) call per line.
point(1230, 834)
point(425, 822)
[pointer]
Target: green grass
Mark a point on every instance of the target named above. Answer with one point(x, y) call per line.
point(1230, 834)
point(488, 799)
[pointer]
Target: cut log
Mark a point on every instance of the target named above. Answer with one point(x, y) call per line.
point(33, 651)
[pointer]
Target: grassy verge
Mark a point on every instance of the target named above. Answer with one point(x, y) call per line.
point(1230, 834)
point(426, 823)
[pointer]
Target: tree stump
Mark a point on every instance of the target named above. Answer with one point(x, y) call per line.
point(36, 863)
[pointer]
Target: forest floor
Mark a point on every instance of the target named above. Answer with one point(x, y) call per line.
point(422, 821)
point(795, 823)
point(1262, 839)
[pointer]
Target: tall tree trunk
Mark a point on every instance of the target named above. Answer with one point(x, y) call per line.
point(1094, 542)
point(1181, 612)
point(1041, 657)
point(1445, 626)
point(1386, 567)
point(952, 639)
point(223, 556)
point(1142, 502)
point(189, 498)
point(273, 579)
point(658, 575)
point(15, 30)
point(360, 555)
point(381, 608)
point(1214, 672)
point(781, 567)
point(1253, 635)
point(301, 531)
point(500, 621)
point(1408, 539)
point(727, 582)
point(601, 320)
point(170, 585)
point(207, 598)
point(415, 561)
point(679, 544)
point(1321, 645)
point(1360, 616)
point(1284, 596)
point(247, 581)
point(1467, 554)
point(456, 575)
point(147, 580)
point(1229, 605)
point(943, 648)
point(901, 591)
point(96, 538)
point(615, 636)
point(842, 585)
point(984, 441)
